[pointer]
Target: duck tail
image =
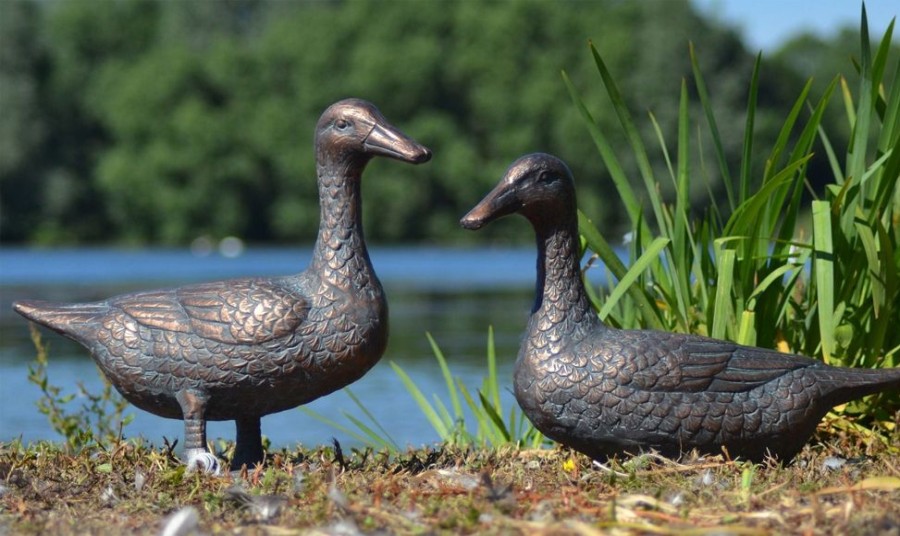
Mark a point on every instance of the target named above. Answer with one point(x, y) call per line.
point(68, 319)
point(855, 383)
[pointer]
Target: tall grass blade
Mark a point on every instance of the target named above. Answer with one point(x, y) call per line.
point(445, 372)
point(634, 138)
point(493, 382)
point(859, 137)
point(487, 430)
point(823, 264)
point(378, 440)
point(601, 247)
point(713, 128)
point(442, 429)
point(340, 427)
point(774, 160)
point(682, 241)
point(747, 330)
point(745, 220)
point(649, 256)
point(723, 311)
point(491, 412)
point(616, 172)
point(384, 436)
point(747, 153)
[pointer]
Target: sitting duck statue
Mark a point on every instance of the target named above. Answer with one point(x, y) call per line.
point(605, 391)
point(244, 348)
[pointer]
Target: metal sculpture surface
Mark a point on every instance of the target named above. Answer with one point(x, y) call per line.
point(605, 391)
point(244, 348)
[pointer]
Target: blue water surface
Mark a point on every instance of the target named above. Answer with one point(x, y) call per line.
point(454, 294)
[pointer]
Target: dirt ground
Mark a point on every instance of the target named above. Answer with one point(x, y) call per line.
point(843, 482)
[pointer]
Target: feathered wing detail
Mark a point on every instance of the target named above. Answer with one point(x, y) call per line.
point(61, 317)
point(697, 364)
point(243, 311)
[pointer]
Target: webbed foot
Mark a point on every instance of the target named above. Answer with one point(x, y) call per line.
point(201, 460)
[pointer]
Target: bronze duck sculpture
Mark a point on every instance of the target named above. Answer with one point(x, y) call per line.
point(244, 348)
point(606, 391)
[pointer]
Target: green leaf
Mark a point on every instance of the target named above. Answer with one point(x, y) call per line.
point(723, 310)
point(384, 437)
point(445, 372)
point(495, 417)
point(747, 330)
point(374, 438)
point(649, 256)
point(436, 422)
point(492, 379)
point(823, 264)
point(713, 127)
point(601, 247)
point(336, 425)
point(634, 138)
point(747, 154)
point(620, 180)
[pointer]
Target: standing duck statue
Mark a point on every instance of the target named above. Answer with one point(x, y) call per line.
point(244, 348)
point(606, 391)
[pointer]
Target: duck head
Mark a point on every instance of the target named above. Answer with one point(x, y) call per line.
point(353, 131)
point(538, 186)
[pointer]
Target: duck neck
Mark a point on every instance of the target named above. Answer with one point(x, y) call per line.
point(340, 254)
point(561, 302)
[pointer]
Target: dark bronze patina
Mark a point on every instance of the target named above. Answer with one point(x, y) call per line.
point(244, 348)
point(605, 391)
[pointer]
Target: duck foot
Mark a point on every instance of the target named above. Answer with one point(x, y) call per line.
point(248, 448)
point(201, 460)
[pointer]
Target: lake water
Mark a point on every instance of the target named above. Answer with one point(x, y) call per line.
point(454, 294)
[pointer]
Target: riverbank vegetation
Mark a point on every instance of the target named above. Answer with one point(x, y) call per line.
point(154, 123)
point(130, 487)
point(795, 246)
point(818, 277)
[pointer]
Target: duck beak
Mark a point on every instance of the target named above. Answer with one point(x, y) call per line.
point(386, 140)
point(501, 201)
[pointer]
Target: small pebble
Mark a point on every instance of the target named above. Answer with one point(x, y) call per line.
point(338, 498)
point(542, 512)
point(181, 523)
point(453, 477)
point(139, 480)
point(299, 481)
point(108, 496)
point(834, 463)
point(344, 527)
point(707, 478)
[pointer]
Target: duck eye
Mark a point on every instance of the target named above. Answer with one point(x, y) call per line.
point(342, 124)
point(545, 177)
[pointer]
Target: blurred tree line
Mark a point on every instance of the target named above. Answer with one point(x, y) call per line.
point(145, 122)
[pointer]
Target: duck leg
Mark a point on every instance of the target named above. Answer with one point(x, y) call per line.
point(248, 445)
point(193, 408)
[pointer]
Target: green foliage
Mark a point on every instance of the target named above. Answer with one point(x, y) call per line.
point(98, 421)
point(494, 426)
point(452, 428)
point(157, 122)
point(761, 270)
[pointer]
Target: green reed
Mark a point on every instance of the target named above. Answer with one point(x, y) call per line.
point(490, 424)
point(753, 272)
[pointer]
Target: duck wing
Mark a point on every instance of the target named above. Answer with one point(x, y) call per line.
point(239, 311)
point(690, 363)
